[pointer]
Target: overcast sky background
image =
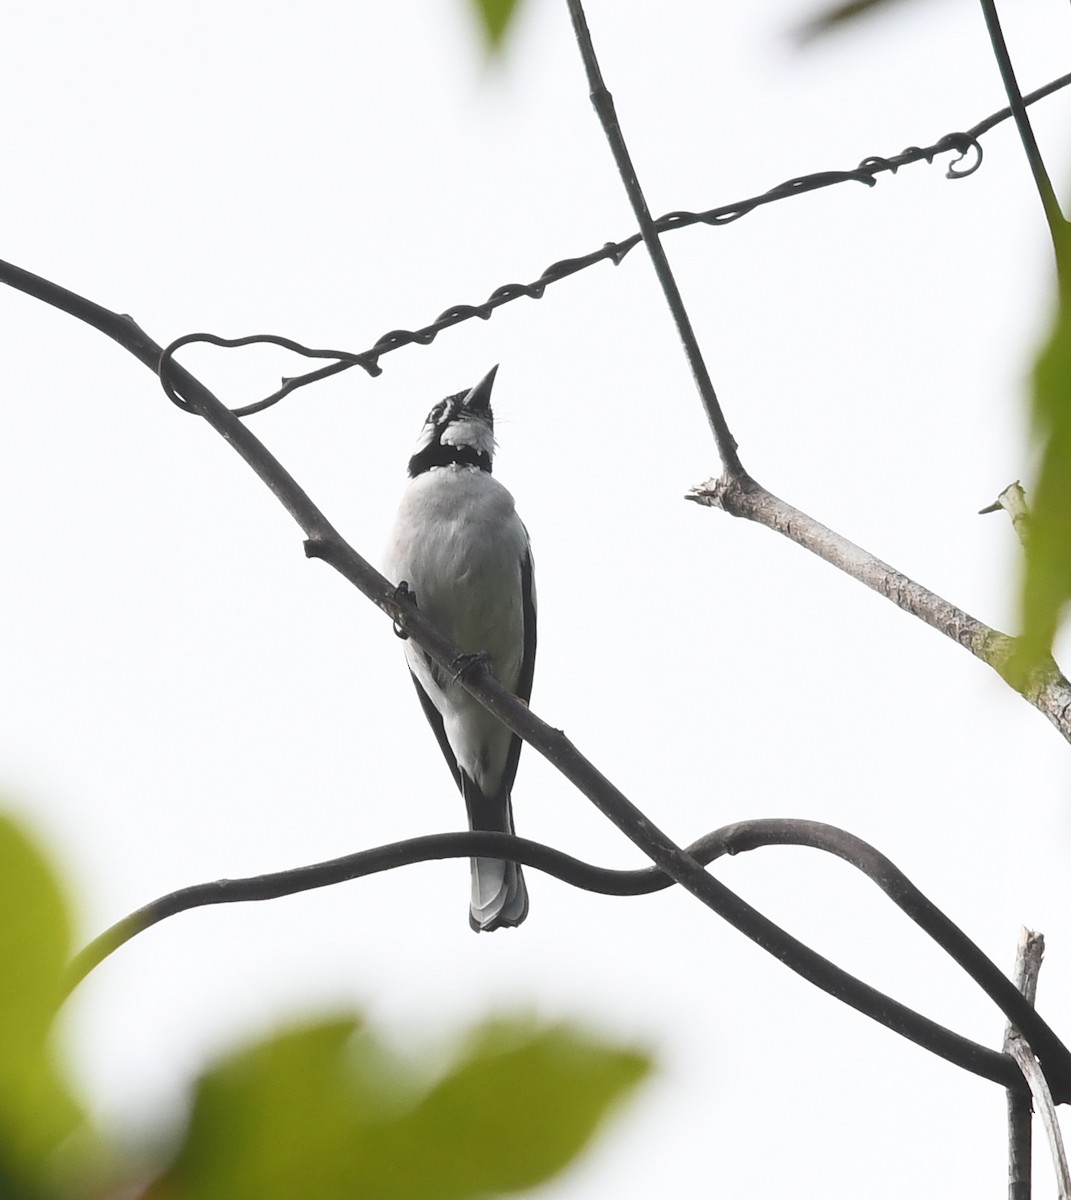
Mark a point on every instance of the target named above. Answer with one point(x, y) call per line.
point(186, 697)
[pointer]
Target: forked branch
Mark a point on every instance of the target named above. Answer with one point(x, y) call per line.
point(738, 494)
point(1045, 688)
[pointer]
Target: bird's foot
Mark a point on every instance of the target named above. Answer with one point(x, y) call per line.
point(403, 593)
point(464, 664)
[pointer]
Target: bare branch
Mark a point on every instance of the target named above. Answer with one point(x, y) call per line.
point(603, 103)
point(1053, 216)
point(737, 838)
point(1043, 1101)
point(1028, 955)
point(1028, 958)
point(1045, 687)
point(1013, 501)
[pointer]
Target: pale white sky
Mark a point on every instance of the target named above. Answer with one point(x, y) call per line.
point(187, 697)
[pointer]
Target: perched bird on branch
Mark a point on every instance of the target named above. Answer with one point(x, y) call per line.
point(464, 553)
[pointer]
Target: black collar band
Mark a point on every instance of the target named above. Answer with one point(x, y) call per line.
point(438, 455)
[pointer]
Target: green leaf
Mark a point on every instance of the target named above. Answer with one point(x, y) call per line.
point(279, 1119)
point(1047, 582)
point(839, 14)
point(36, 1109)
point(493, 18)
point(327, 1112)
point(518, 1107)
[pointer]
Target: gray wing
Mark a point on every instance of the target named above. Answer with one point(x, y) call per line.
point(524, 680)
point(435, 720)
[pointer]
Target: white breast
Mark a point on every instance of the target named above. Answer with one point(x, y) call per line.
point(460, 545)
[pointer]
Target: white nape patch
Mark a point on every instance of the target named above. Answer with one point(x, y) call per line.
point(469, 431)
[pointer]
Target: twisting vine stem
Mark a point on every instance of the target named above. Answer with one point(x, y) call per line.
point(737, 838)
point(963, 144)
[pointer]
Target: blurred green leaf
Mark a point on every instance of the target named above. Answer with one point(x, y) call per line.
point(838, 15)
point(493, 18)
point(36, 1110)
point(519, 1107)
point(1047, 584)
point(324, 1111)
point(327, 1112)
point(279, 1119)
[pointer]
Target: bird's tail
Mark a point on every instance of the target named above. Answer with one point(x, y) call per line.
point(499, 896)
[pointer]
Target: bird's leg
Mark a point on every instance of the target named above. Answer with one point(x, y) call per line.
point(403, 593)
point(466, 663)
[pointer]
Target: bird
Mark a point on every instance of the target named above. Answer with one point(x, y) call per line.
point(460, 549)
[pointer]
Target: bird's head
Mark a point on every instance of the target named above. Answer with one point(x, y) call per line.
point(459, 429)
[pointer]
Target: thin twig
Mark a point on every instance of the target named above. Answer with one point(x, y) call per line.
point(1013, 501)
point(738, 838)
point(1053, 216)
point(603, 103)
point(1043, 1102)
point(1045, 687)
point(1028, 956)
point(324, 542)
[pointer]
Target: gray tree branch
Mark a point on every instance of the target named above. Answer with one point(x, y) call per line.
point(1045, 688)
point(1029, 953)
point(1028, 956)
point(738, 494)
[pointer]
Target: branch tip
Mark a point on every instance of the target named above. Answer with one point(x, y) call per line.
point(1013, 501)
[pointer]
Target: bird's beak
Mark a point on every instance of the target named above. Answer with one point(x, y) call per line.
point(480, 396)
